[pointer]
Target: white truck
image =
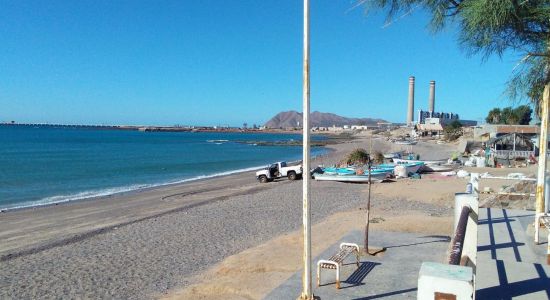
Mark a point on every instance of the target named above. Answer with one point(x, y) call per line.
point(279, 170)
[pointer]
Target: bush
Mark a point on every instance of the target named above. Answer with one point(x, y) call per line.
point(453, 131)
point(357, 157)
point(378, 157)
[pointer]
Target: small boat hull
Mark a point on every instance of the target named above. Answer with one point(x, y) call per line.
point(339, 171)
point(438, 168)
point(375, 177)
point(405, 142)
point(410, 167)
point(392, 155)
point(426, 162)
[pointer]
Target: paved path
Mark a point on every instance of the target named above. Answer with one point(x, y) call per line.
point(392, 275)
point(510, 265)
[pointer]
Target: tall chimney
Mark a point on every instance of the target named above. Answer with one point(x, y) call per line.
point(410, 109)
point(432, 96)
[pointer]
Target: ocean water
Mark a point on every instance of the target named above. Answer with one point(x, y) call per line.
point(44, 165)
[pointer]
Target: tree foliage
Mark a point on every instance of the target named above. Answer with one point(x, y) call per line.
point(513, 116)
point(493, 27)
point(453, 130)
point(494, 116)
point(357, 157)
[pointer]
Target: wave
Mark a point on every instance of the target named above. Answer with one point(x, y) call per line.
point(92, 194)
point(217, 141)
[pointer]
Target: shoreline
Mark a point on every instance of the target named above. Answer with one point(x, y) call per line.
point(130, 190)
point(156, 233)
point(118, 200)
point(136, 191)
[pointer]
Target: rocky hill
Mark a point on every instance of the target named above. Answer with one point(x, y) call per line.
point(292, 118)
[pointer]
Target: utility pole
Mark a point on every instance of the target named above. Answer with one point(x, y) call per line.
point(307, 293)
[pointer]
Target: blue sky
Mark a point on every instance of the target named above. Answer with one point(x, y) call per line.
point(228, 62)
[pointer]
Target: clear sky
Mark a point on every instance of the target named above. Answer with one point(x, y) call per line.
point(214, 62)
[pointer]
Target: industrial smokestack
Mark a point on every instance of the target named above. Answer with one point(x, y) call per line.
point(410, 109)
point(432, 96)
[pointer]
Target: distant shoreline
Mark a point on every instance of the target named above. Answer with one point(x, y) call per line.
point(90, 196)
point(170, 128)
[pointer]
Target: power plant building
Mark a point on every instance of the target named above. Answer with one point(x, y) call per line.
point(431, 118)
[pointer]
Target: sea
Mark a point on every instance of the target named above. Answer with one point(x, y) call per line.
point(41, 165)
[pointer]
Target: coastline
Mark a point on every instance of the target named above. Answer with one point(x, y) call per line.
point(115, 202)
point(91, 195)
point(162, 227)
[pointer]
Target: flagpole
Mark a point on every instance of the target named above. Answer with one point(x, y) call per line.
point(307, 293)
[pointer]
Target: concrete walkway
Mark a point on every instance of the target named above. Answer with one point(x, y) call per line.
point(392, 275)
point(510, 265)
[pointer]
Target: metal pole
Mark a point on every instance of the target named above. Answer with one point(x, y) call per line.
point(368, 209)
point(307, 293)
point(541, 175)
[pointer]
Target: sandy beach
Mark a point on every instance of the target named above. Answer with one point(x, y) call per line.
point(208, 238)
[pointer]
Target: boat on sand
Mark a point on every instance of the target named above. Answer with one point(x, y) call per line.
point(410, 167)
point(426, 162)
point(375, 177)
point(429, 165)
point(339, 171)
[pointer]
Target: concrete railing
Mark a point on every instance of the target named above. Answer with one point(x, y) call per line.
point(455, 280)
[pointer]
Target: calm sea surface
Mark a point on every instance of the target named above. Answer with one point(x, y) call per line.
point(42, 165)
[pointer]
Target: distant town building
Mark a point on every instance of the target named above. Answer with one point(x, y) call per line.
point(443, 118)
point(489, 131)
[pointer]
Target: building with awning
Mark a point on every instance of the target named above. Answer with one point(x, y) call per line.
point(490, 131)
point(429, 129)
point(512, 145)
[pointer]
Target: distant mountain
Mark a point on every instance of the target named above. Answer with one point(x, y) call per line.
point(292, 118)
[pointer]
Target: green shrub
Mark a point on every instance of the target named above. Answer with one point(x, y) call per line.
point(453, 131)
point(357, 157)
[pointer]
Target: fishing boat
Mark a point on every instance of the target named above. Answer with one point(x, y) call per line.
point(405, 142)
point(374, 177)
point(438, 168)
point(426, 162)
point(392, 155)
point(410, 167)
point(339, 171)
point(429, 165)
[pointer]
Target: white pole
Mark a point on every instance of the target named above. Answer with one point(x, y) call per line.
point(307, 293)
point(541, 176)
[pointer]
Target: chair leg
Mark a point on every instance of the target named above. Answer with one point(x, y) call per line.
point(318, 275)
point(357, 258)
point(337, 276)
point(537, 227)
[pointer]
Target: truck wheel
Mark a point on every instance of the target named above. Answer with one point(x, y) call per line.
point(263, 179)
point(292, 176)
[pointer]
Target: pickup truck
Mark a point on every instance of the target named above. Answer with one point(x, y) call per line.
point(279, 170)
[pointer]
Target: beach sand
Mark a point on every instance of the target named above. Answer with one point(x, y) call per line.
point(229, 236)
